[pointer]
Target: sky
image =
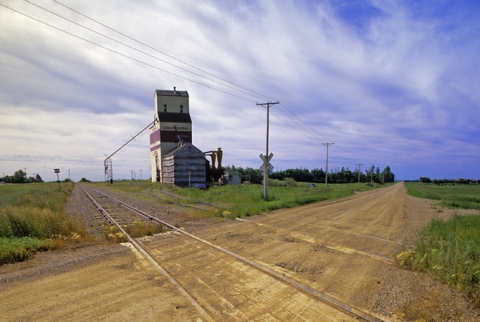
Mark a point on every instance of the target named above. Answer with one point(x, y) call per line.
point(390, 83)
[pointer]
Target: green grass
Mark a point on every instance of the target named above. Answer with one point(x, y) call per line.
point(449, 250)
point(450, 196)
point(33, 217)
point(232, 201)
point(20, 249)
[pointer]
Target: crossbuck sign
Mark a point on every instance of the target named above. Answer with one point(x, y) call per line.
point(266, 162)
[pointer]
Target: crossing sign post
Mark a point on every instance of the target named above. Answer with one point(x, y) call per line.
point(266, 162)
point(266, 158)
point(57, 171)
point(266, 167)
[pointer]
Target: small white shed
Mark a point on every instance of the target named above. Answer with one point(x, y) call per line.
point(234, 177)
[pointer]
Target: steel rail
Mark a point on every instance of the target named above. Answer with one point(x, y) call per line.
point(382, 258)
point(342, 231)
point(181, 204)
point(144, 252)
point(317, 294)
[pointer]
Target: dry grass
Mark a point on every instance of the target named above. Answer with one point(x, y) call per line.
point(33, 218)
point(424, 308)
point(135, 230)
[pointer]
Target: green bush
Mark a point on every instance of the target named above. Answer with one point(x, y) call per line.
point(450, 251)
point(290, 182)
point(20, 249)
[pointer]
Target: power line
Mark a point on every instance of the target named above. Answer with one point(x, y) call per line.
point(159, 51)
point(306, 134)
point(309, 132)
point(131, 47)
point(309, 129)
point(239, 88)
point(125, 56)
point(305, 125)
point(301, 126)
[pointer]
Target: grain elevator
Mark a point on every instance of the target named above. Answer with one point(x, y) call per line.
point(174, 159)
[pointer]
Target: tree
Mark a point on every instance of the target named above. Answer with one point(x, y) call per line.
point(340, 175)
point(19, 176)
point(369, 173)
point(425, 180)
point(388, 175)
point(318, 175)
point(253, 175)
point(377, 177)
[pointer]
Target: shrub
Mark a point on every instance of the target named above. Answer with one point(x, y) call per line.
point(276, 183)
point(20, 249)
point(450, 251)
point(290, 182)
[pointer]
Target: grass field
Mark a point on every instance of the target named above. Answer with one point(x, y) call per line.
point(449, 250)
point(450, 196)
point(233, 201)
point(33, 218)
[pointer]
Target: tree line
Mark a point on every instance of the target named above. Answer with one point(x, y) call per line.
point(441, 182)
point(343, 175)
point(20, 176)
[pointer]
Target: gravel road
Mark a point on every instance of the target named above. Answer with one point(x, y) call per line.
point(335, 247)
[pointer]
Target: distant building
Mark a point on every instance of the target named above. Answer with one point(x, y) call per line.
point(234, 177)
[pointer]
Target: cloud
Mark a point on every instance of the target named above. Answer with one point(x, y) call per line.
point(391, 83)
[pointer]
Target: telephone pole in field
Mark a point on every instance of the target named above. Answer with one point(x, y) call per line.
point(266, 159)
point(326, 167)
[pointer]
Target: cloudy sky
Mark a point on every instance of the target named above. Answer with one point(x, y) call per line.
point(392, 83)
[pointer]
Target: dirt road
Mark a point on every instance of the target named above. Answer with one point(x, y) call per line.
point(344, 248)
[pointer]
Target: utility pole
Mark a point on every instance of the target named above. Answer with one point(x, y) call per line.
point(359, 165)
point(267, 158)
point(326, 167)
point(141, 177)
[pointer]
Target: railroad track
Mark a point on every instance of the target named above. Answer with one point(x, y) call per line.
point(292, 232)
point(223, 285)
point(176, 201)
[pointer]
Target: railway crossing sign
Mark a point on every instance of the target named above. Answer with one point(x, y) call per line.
point(266, 162)
point(57, 171)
